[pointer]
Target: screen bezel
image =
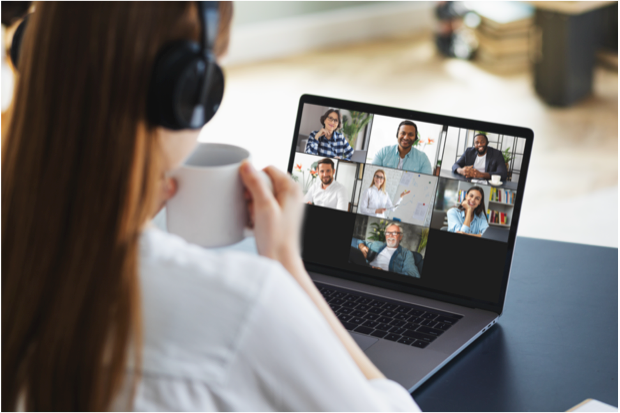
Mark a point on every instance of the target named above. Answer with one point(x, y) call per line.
point(516, 131)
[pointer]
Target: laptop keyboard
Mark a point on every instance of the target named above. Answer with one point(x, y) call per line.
point(408, 324)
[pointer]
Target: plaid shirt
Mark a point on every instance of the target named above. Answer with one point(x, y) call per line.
point(337, 146)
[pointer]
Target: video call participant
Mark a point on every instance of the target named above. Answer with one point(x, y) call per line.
point(375, 201)
point(326, 192)
point(404, 156)
point(470, 216)
point(481, 161)
point(328, 141)
point(390, 255)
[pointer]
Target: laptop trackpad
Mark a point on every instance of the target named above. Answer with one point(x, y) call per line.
point(363, 341)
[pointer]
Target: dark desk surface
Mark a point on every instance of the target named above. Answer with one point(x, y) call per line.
point(447, 173)
point(555, 345)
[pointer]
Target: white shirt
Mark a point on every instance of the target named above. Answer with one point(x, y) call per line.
point(334, 196)
point(231, 331)
point(373, 199)
point(480, 163)
point(383, 259)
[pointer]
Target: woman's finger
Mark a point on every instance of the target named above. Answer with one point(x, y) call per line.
point(261, 195)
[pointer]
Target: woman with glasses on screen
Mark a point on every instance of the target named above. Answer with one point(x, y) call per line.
point(469, 217)
point(328, 141)
point(375, 201)
point(101, 310)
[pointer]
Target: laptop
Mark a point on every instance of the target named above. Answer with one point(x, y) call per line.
point(412, 291)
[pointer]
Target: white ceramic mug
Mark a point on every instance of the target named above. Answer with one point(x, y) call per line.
point(209, 208)
point(495, 178)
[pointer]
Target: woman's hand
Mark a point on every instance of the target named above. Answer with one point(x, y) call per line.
point(468, 208)
point(167, 189)
point(276, 217)
point(405, 193)
point(322, 132)
point(380, 210)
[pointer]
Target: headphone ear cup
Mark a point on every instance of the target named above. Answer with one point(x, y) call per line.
point(174, 95)
point(175, 86)
point(16, 42)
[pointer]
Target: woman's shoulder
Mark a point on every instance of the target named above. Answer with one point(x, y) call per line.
point(454, 212)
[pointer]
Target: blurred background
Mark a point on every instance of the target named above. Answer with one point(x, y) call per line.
point(548, 66)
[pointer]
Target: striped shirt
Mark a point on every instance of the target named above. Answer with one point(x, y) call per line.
point(337, 146)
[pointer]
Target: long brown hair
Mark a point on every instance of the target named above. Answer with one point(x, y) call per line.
point(80, 171)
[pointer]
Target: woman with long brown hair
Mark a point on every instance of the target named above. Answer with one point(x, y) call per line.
point(469, 217)
point(102, 311)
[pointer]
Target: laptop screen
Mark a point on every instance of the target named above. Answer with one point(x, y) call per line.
point(414, 199)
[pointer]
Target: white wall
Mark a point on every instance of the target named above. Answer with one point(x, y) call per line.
point(346, 176)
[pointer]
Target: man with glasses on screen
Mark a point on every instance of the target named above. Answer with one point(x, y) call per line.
point(327, 141)
point(326, 191)
point(404, 156)
point(391, 256)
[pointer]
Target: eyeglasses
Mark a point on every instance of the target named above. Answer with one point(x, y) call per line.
point(392, 234)
point(333, 119)
point(379, 177)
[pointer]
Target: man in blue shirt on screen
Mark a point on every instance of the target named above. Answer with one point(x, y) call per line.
point(404, 156)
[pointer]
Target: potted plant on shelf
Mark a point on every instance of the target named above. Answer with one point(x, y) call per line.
point(352, 126)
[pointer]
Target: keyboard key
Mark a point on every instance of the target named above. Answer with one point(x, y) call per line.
point(345, 310)
point(446, 320)
point(397, 330)
point(402, 309)
point(390, 306)
point(351, 297)
point(420, 344)
point(392, 337)
point(363, 307)
point(431, 331)
point(428, 323)
point(428, 316)
point(364, 300)
point(358, 313)
point(383, 327)
point(416, 313)
point(376, 303)
point(370, 323)
point(401, 316)
point(442, 326)
point(384, 319)
point(415, 320)
point(349, 326)
point(375, 310)
point(379, 333)
point(411, 326)
point(398, 323)
point(419, 336)
point(389, 313)
point(337, 301)
point(338, 294)
point(406, 340)
point(363, 330)
point(334, 307)
point(349, 304)
point(371, 316)
point(344, 317)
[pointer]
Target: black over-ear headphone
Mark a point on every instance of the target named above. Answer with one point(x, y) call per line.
point(187, 84)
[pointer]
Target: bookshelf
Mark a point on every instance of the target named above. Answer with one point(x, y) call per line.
point(499, 202)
